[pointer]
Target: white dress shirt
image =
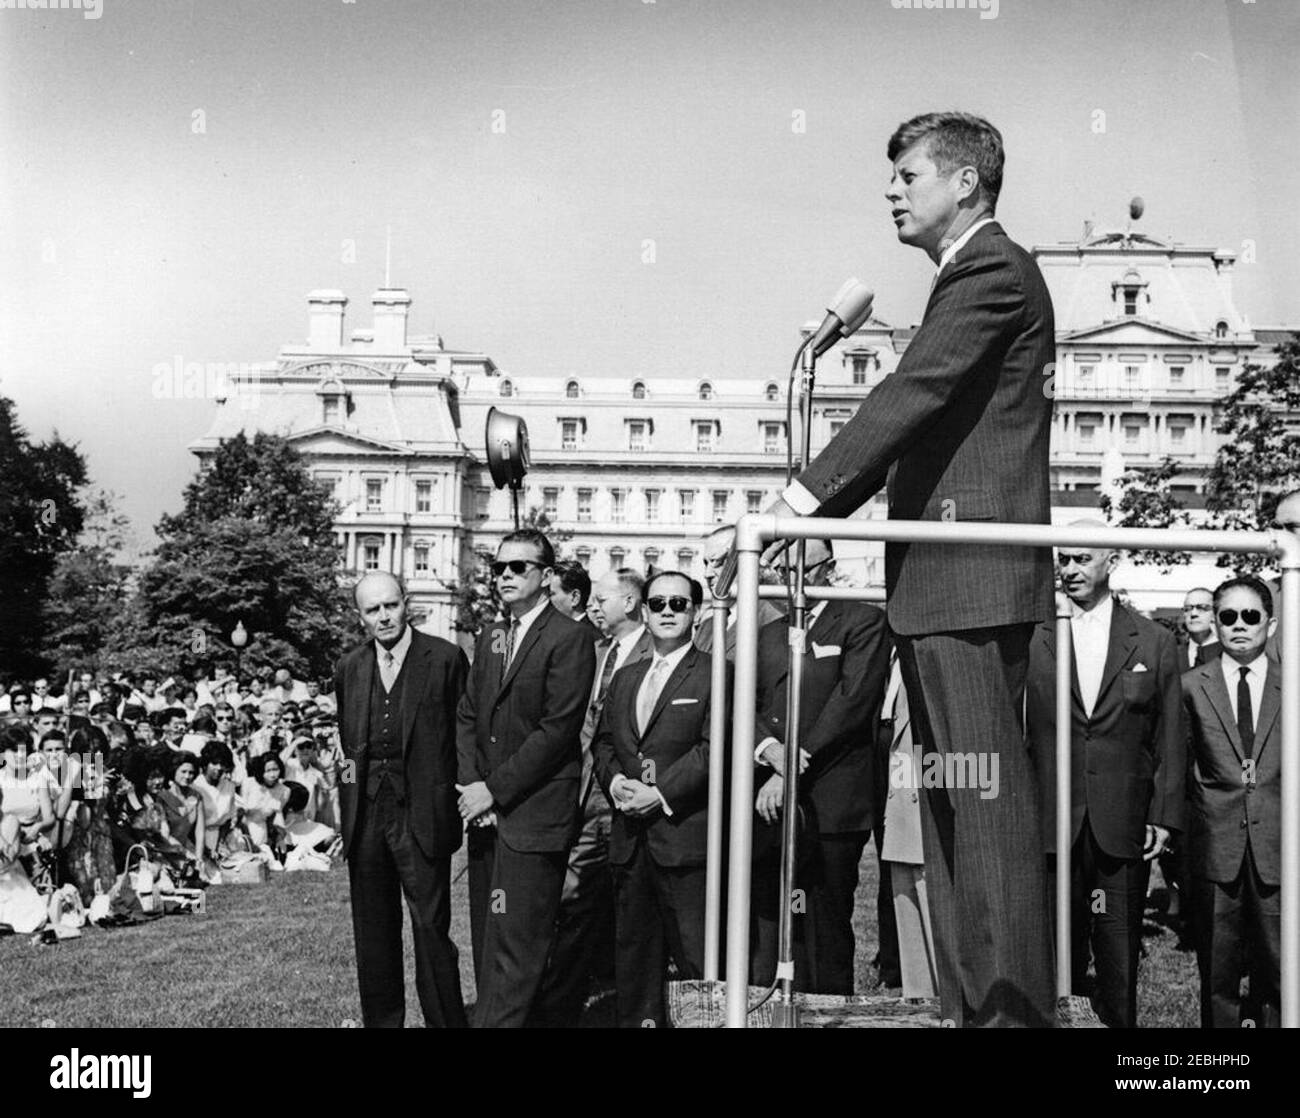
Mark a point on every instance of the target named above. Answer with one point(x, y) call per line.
point(525, 623)
point(388, 674)
point(671, 660)
point(1257, 671)
point(1193, 649)
point(946, 257)
point(1090, 630)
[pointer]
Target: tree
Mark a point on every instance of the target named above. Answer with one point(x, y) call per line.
point(255, 544)
point(1147, 501)
point(1258, 460)
point(474, 593)
point(40, 518)
point(87, 590)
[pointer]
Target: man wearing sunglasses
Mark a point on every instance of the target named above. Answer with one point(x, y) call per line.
point(1234, 848)
point(846, 661)
point(651, 753)
point(1127, 769)
point(520, 761)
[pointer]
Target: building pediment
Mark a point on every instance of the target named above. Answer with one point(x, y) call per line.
point(1132, 332)
point(336, 370)
point(331, 440)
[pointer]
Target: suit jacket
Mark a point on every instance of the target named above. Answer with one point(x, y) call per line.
point(644, 649)
point(435, 672)
point(703, 638)
point(1225, 807)
point(521, 734)
point(672, 754)
point(1205, 653)
point(1128, 759)
point(845, 668)
point(962, 428)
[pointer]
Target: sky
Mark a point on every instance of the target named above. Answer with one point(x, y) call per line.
point(585, 187)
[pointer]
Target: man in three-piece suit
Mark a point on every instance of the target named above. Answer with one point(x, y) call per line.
point(519, 725)
point(846, 659)
point(1127, 770)
point(584, 940)
point(651, 752)
point(397, 697)
point(1235, 786)
point(960, 432)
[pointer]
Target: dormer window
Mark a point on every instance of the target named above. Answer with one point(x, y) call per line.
point(706, 391)
point(571, 390)
point(330, 410)
point(1221, 329)
point(334, 401)
point(773, 392)
point(1131, 288)
point(507, 388)
point(638, 390)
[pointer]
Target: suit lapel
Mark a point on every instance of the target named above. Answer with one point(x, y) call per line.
point(1076, 695)
point(1216, 690)
point(360, 712)
point(416, 670)
point(1119, 648)
point(530, 639)
point(1269, 706)
point(673, 682)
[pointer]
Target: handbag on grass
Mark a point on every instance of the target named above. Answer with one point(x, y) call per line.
point(243, 869)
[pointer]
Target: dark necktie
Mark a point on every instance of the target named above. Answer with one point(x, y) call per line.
point(1245, 714)
point(606, 674)
point(510, 646)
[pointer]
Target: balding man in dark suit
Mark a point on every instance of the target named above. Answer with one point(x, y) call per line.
point(960, 431)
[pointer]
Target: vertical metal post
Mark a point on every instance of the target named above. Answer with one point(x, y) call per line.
point(717, 792)
point(742, 785)
point(1290, 656)
point(1064, 654)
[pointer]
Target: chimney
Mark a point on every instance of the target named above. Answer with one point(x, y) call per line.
point(325, 320)
point(391, 306)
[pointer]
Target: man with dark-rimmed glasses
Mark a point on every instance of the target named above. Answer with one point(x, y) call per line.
point(520, 761)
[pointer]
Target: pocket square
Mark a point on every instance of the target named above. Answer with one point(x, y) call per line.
point(1139, 667)
point(821, 651)
point(683, 702)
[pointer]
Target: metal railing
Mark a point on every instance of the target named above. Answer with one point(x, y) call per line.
point(756, 530)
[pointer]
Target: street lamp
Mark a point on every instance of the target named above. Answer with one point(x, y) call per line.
point(238, 638)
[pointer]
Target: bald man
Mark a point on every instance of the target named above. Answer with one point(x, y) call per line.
point(1127, 769)
point(397, 695)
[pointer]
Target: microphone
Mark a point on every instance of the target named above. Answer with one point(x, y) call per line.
point(848, 311)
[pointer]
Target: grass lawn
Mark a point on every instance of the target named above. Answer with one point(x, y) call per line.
point(280, 955)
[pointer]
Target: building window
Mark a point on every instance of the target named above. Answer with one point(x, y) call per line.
point(1222, 378)
point(651, 556)
point(421, 558)
point(616, 557)
point(328, 483)
point(686, 501)
point(571, 390)
point(1131, 375)
point(652, 504)
point(1085, 375)
point(771, 438)
point(424, 496)
point(837, 425)
point(1178, 436)
point(1130, 300)
point(754, 500)
point(482, 502)
point(860, 366)
point(773, 392)
point(374, 495)
point(331, 409)
point(704, 437)
point(1177, 376)
point(636, 435)
point(1220, 329)
point(507, 388)
point(370, 554)
point(1132, 436)
point(569, 434)
point(551, 503)
point(583, 554)
point(706, 391)
point(719, 506)
point(584, 505)
point(685, 557)
point(1087, 435)
point(638, 390)
point(618, 505)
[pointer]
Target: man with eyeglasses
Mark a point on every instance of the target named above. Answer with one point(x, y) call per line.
point(846, 662)
point(520, 763)
point(1233, 709)
point(717, 549)
point(651, 753)
point(1198, 627)
point(1127, 769)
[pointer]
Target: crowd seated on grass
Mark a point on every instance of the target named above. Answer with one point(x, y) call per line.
point(191, 774)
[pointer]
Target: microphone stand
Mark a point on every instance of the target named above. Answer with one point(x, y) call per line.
point(785, 1015)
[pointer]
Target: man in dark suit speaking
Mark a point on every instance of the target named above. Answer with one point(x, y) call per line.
point(961, 428)
point(397, 697)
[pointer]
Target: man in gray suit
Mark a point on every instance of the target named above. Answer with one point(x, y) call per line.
point(960, 431)
point(717, 547)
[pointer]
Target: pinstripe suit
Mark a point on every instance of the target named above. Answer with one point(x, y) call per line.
point(960, 432)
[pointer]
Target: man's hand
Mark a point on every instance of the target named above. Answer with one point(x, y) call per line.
point(487, 819)
point(774, 549)
point(774, 755)
point(474, 800)
point(770, 798)
point(1157, 839)
point(638, 799)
